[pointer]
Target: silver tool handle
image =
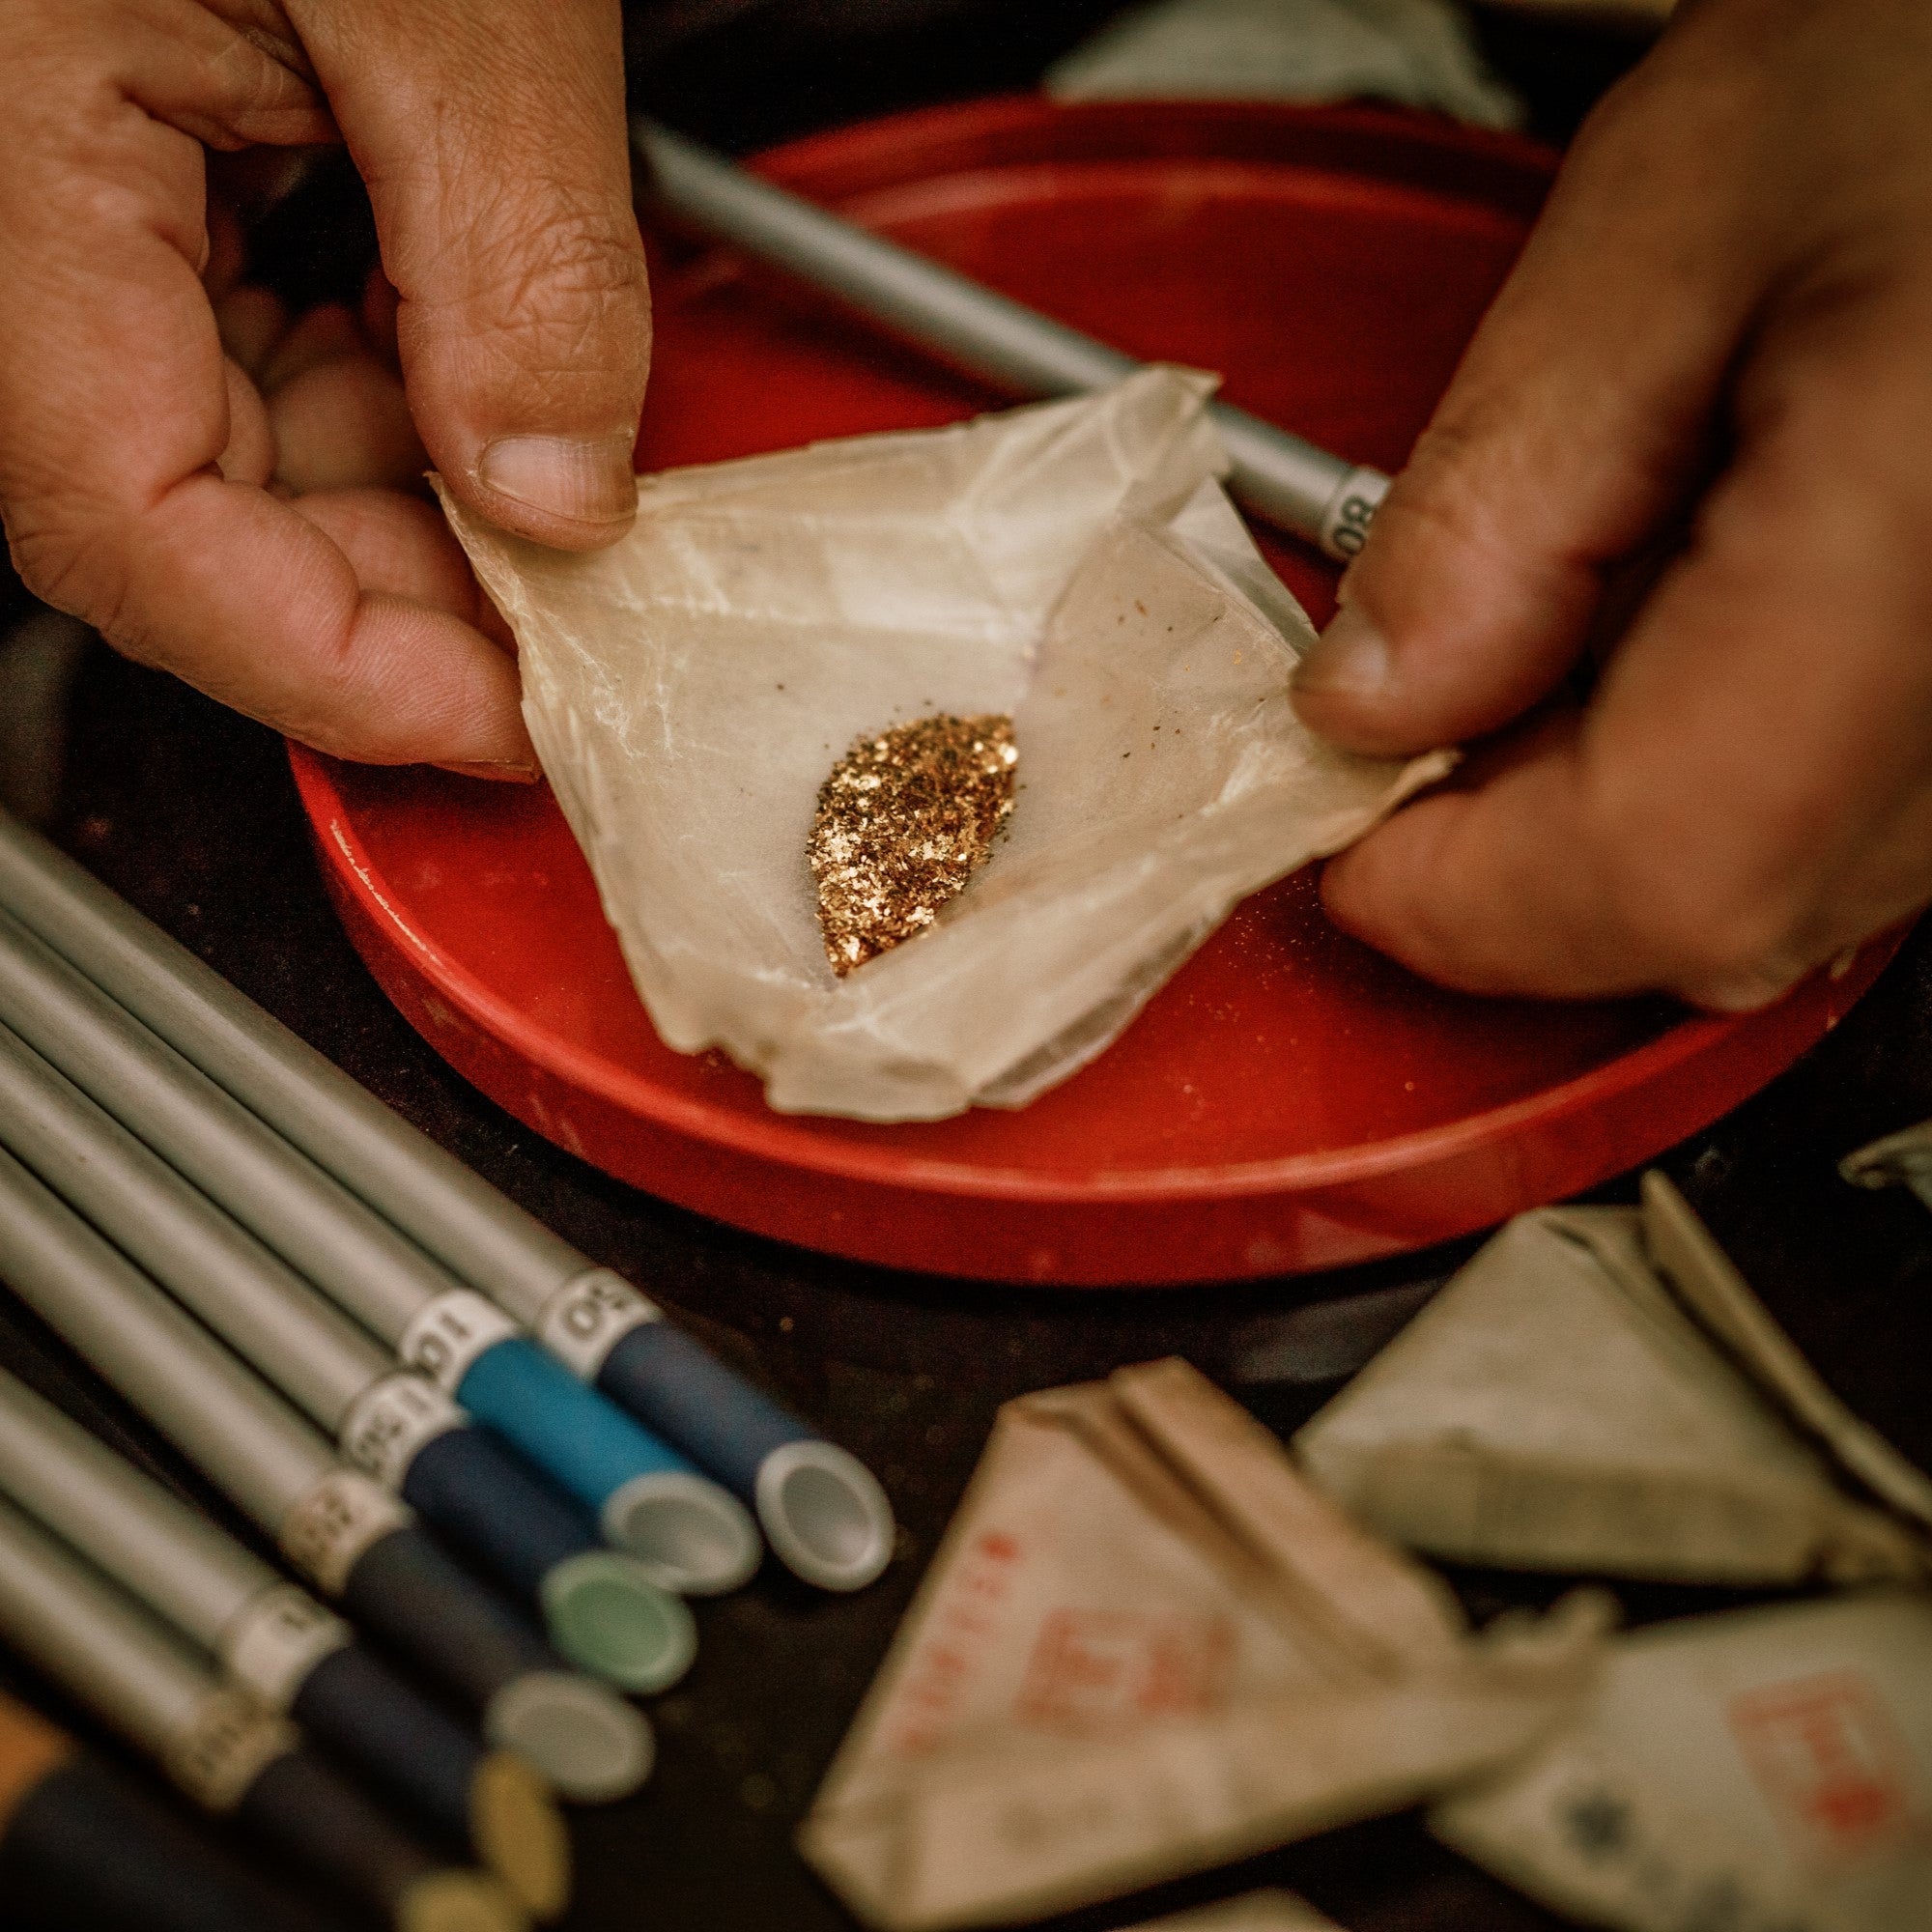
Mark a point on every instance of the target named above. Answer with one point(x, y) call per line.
point(1292, 483)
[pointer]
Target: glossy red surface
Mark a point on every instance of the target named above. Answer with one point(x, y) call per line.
point(1290, 1100)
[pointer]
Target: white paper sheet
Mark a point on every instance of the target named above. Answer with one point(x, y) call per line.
point(1073, 564)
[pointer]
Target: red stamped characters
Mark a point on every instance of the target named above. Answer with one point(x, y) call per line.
point(1094, 1671)
point(943, 1670)
point(1830, 1761)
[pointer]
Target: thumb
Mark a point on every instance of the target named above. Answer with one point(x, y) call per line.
point(492, 142)
point(1574, 434)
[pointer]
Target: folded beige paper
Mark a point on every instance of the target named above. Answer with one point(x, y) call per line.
point(1148, 1646)
point(1761, 1770)
point(1073, 565)
point(1706, 1282)
point(1252, 1911)
point(1555, 1408)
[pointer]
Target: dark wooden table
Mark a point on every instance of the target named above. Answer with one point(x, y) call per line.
point(189, 812)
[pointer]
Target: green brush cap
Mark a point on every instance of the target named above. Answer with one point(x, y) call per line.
point(609, 1618)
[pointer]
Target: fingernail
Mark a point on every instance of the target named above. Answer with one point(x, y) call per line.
point(584, 480)
point(506, 772)
point(1350, 656)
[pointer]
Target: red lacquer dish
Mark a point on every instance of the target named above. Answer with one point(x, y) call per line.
point(1290, 1100)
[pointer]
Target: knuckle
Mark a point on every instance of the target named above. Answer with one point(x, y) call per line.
point(246, 84)
point(1440, 496)
point(81, 576)
point(533, 320)
point(558, 280)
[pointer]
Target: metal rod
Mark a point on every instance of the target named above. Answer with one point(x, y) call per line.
point(390, 1422)
point(273, 1638)
point(132, 1670)
point(479, 1235)
point(190, 1572)
point(218, 1743)
point(260, 1307)
point(220, 1414)
point(1303, 489)
point(368, 1268)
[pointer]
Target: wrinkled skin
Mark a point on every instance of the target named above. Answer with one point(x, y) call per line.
point(219, 491)
point(1715, 354)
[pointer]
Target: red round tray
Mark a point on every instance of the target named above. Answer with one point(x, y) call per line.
point(1290, 1100)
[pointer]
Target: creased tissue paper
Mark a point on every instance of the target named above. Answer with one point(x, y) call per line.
point(1073, 565)
point(1148, 1646)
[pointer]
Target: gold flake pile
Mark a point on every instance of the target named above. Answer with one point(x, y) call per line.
point(903, 822)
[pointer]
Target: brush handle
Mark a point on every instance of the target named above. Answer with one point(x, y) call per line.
point(87, 1846)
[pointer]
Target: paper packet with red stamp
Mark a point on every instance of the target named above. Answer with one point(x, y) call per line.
point(1146, 1646)
point(1760, 1771)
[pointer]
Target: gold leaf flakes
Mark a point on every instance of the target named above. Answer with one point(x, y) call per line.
point(903, 822)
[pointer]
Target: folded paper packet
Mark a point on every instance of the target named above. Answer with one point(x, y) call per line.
point(1253, 1912)
point(1147, 1646)
point(1761, 1770)
point(1556, 1407)
point(1073, 565)
point(1900, 1159)
point(1701, 1275)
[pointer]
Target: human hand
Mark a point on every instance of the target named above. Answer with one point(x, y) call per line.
point(1724, 315)
point(245, 542)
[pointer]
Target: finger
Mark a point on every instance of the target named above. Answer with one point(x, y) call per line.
point(114, 412)
point(323, 334)
point(1750, 791)
point(227, 253)
point(1576, 427)
point(493, 144)
point(251, 322)
point(228, 84)
point(249, 454)
point(400, 546)
point(344, 423)
point(377, 316)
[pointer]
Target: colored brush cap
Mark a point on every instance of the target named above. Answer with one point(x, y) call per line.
point(579, 1734)
point(605, 1616)
point(685, 1533)
point(457, 1902)
point(825, 1514)
point(515, 1825)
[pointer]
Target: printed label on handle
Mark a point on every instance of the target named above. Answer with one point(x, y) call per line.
point(225, 1746)
point(326, 1533)
point(277, 1639)
point(585, 1318)
point(1351, 509)
point(448, 1333)
point(391, 1421)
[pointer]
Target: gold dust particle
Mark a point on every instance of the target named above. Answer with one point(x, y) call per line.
point(903, 822)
